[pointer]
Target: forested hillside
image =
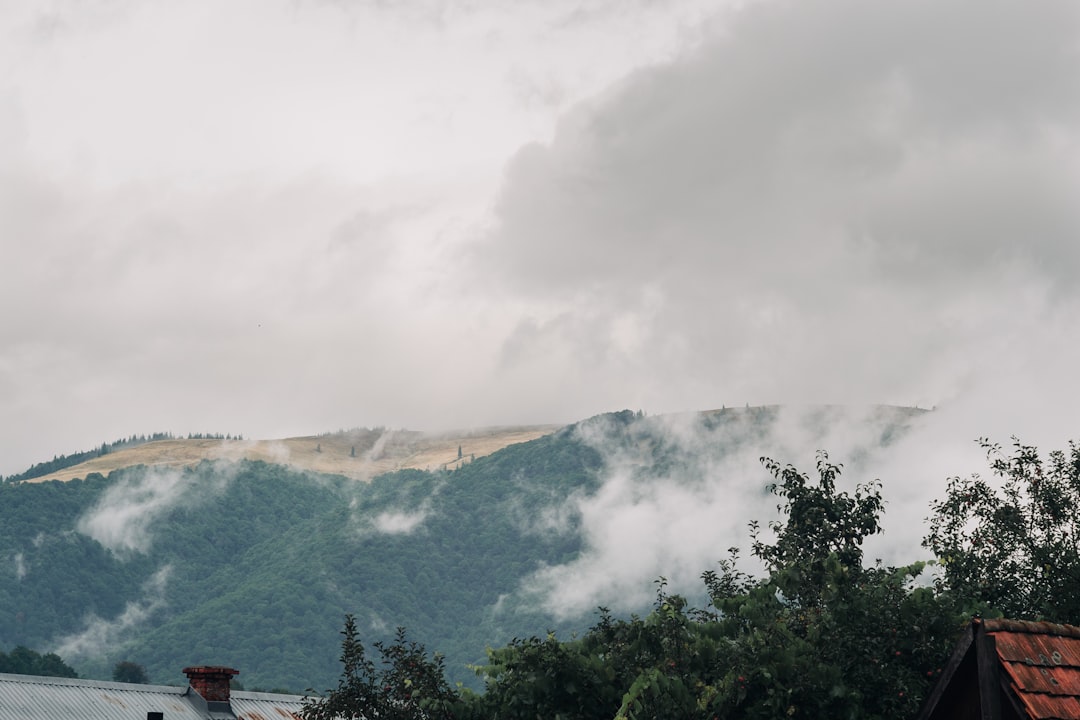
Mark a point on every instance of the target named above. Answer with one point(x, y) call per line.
point(255, 565)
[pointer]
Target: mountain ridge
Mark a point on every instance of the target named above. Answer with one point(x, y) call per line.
point(359, 454)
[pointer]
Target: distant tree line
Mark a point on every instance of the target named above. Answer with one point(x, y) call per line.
point(23, 661)
point(61, 462)
point(127, 671)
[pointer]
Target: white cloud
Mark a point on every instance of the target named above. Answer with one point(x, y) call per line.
point(402, 518)
point(124, 517)
point(399, 523)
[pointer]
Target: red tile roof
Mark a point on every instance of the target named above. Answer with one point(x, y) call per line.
point(1042, 663)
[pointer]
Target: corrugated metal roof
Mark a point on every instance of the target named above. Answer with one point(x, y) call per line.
point(27, 697)
point(1042, 662)
point(266, 706)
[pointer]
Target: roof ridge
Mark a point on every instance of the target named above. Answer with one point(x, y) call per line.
point(90, 682)
point(1030, 627)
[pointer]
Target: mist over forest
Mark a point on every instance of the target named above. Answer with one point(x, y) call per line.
point(255, 565)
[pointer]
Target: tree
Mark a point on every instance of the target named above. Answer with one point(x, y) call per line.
point(408, 686)
point(819, 525)
point(822, 635)
point(1013, 546)
point(24, 661)
point(656, 667)
point(126, 671)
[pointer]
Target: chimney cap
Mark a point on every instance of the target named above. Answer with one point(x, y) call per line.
point(210, 670)
point(211, 682)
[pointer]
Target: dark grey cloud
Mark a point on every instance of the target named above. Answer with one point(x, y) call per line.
point(825, 201)
point(889, 127)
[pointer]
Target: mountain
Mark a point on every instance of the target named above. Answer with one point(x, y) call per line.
point(254, 564)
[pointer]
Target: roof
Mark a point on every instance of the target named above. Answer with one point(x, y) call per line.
point(29, 697)
point(1042, 664)
point(1011, 669)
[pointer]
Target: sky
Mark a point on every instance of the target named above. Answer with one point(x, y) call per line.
point(284, 217)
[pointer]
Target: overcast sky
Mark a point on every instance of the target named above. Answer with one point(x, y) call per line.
point(282, 217)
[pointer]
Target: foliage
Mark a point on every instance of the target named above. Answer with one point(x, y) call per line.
point(1013, 546)
point(821, 635)
point(543, 677)
point(24, 661)
point(129, 672)
point(820, 526)
point(407, 685)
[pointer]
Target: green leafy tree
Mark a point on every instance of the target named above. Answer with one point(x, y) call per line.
point(24, 661)
point(407, 685)
point(126, 671)
point(823, 635)
point(656, 667)
point(544, 677)
point(1013, 543)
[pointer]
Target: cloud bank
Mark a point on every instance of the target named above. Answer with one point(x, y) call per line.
point(826, 202)
point(678, 491)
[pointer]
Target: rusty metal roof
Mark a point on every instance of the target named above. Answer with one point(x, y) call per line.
point(28, 697)
point(1042, 663)
point(266, 706)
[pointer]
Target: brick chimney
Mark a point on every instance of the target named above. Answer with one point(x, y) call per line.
point(211, 682)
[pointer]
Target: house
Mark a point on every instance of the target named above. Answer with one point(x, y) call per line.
point(207, 697)
point(1010, 670)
